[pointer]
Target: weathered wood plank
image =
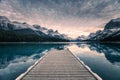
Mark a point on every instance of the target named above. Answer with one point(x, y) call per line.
point(59, 78)
point(59, 65)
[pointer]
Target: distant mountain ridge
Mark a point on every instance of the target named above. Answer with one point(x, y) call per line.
point(110, 33)
point(113, 24)
point(81, 38)
point(23, 32)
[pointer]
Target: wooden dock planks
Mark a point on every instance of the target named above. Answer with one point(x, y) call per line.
point(59, 65)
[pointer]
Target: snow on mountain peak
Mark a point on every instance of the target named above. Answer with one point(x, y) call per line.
point(19, 25)
point(116, 20)
point(37, 26)
point(113, 24)
point(3, 17)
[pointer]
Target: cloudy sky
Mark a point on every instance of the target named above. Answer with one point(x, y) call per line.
point(73, 17)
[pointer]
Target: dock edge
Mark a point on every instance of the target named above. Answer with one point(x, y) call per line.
point(32, 66)
point(87, 67)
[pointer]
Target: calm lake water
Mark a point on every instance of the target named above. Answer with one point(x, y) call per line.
point(103, 59)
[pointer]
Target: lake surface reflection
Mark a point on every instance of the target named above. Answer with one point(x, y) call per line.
point(103, 59)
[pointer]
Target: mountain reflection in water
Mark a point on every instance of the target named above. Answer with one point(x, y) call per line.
point(103, 59)
point(16, 58)
point(111, 51)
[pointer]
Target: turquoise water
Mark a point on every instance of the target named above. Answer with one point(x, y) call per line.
point(103, 59)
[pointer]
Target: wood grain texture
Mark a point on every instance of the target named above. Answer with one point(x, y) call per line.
point(59, 65)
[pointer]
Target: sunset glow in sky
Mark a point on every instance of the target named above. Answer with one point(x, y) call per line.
point(72, 17)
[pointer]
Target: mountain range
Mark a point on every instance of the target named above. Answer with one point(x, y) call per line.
point(111, 32)
point(13, 31)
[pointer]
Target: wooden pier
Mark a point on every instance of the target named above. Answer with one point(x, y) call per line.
point(59, 65)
